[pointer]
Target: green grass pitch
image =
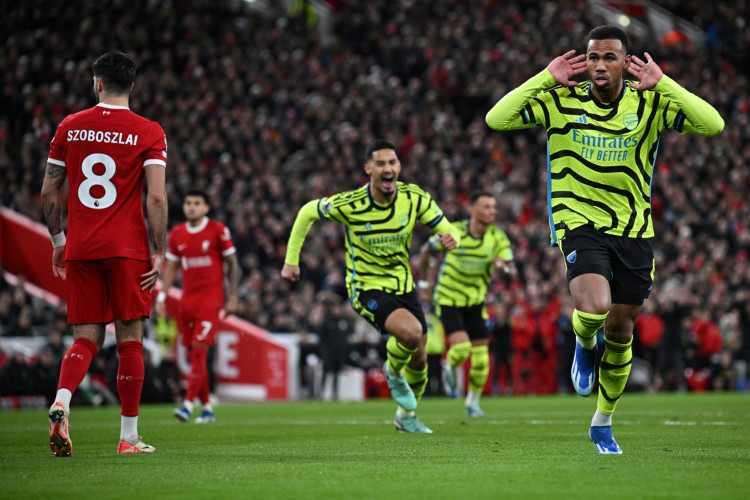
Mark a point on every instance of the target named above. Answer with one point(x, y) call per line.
point(675, 446)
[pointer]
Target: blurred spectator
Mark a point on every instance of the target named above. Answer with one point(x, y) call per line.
point(22, 327)
point(649, 329)
point(102, 375)
point(164, 329)
point(168, 373)
point(674, 310)
point(703, 358)
point(44, 375)
point(7, 317)
point(307, 364)
point(333, 328)
point(534, 338)
point(522, 335)
point(707, 338)
point(55, 343)
point(154, 390)
point(15, 376)
point(500, 347)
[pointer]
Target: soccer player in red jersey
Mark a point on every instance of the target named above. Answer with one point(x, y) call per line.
point(199, 247)
point(106, 153)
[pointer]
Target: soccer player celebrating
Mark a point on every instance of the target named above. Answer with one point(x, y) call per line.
point(461, 289)
point(106, 152)
point(199, 247)
point(602, 137)
point(379, 219)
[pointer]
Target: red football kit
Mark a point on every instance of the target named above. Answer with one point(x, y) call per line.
point(104, 150)
point(200, 252)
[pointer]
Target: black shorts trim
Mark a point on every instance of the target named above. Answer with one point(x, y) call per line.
point(627, 263)
point(376, 305)
point(469, 319)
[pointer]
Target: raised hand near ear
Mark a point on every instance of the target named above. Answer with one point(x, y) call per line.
point(649, 73)
point(564, 67)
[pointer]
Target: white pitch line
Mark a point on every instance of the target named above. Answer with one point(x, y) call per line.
point(687, 423)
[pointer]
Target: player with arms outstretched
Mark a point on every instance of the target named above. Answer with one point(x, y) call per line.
point(602, 137)
point(199, 248)
point(106, 153)
point(460, 289)
point(379, 219)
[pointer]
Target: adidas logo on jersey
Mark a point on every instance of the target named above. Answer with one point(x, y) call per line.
point(368, 227)
point(581, 119)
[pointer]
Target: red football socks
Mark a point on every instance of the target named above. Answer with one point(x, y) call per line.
point(198, 379)
point(130, 376)
point(76, 363)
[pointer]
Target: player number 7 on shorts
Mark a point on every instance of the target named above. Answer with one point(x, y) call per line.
point(204, 333)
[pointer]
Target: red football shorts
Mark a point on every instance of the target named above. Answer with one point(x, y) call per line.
point(101, 291)
point(198, 325)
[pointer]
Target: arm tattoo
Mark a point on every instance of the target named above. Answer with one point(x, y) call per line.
point(54, 224)
point(55, 171)
point(48, 208)
point(54, 178)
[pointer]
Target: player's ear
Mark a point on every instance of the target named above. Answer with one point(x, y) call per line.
point(367, 168)
point(628, 57)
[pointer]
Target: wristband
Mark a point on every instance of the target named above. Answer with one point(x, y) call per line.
point(423, 284)
point(58, 239)
point(161, 296)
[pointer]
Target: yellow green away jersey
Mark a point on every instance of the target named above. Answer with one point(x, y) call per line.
point(601, 157)
point(467, 271)
point(378, 238)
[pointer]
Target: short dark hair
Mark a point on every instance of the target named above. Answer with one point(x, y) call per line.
point(475, 195)
point(377, 145)
point(198, 192)
point(608, 32)
point(117, 71)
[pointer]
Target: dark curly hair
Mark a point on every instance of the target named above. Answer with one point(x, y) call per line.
point(117, 71)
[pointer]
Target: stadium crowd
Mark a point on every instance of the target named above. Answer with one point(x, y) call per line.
point(265, 117)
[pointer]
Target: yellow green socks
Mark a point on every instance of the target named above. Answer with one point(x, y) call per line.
point(458, 354)
point(398, 355)
point(417, 380)
point(480, 368)
point(585, 326)
point(613, 374)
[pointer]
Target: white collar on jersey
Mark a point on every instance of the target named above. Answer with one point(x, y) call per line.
point(197, 229)
point(112, 106)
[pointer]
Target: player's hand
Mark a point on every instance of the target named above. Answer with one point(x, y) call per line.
point(448, 241)
point(161, 308)
point(58, 264)
point(290, 272)
point(507, 269)
point(501, 265)
point(649, 73)
point(148, 280)
point(564, 67)
point(233, 302)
